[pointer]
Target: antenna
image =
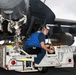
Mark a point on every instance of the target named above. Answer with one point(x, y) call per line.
point(44, 22)
point(44, 1)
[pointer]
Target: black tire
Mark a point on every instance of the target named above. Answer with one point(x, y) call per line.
point(74, 56)
point(42, 69)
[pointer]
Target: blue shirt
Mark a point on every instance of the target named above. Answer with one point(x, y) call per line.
point(34, 40)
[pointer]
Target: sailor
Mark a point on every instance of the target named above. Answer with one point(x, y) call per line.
point(37, 39)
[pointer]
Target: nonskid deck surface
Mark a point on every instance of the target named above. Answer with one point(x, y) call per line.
point(51, 71)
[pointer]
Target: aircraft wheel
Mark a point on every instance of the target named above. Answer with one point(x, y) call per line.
point(42, 69)
point(74, 60)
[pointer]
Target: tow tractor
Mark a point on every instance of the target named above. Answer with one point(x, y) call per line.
point(12, 59)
